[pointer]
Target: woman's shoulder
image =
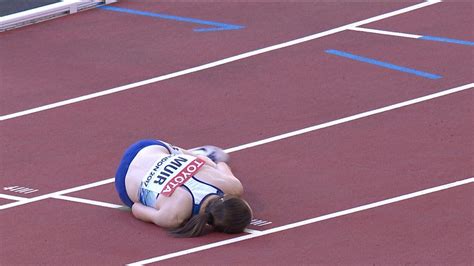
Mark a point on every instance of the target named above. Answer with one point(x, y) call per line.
point(225, 182)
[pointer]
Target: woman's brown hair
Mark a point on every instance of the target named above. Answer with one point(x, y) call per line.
point(224, 214)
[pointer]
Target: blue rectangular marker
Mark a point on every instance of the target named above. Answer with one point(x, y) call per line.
point(217, 25)
point(441, 39)
point(383, 64)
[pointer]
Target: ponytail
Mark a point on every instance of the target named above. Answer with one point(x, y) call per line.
point(193, 227)
point(224, 214)
point(198, 223)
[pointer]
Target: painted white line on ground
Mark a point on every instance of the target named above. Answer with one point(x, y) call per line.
point(10, 197)
point(88, 201)
point(351, 118)
point(216, 63)
point(258, 222)
point(57, 193)
point(252, 231)
point(306, 222)
point(268, 140)
point(115, 206)
point(384, 32)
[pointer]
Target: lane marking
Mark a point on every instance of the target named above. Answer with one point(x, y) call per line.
point(384, 32)
point(88, 201)
point(214, 64)
point(252, 231)
point(383, 64)
point(268, 140)
point(106, 205)
point(103, 204)
point(414, 36)
point(217, 25)
point(305, 222)
point(57, 193)
point(258, 222)
point(352, 117)
point(19, 189)
point(448, 40)
point(10, 197)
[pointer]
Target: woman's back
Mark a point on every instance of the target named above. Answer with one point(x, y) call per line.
point(180, 203)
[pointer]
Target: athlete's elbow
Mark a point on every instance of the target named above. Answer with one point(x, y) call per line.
point(139, 212)
point(169, 221)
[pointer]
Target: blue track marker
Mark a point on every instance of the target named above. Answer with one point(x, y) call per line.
point(383, 64)
point(217, 25)
point(441, 39)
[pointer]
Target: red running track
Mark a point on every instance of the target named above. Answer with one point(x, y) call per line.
point(97, 50)
point(352, 170)
point(325, 171)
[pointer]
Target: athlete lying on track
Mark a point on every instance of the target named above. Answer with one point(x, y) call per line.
point(185, 191)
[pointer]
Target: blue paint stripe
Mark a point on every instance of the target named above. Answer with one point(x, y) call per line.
point(384, 64)
point(441, 39)
point(218, 25)
point(233, 27)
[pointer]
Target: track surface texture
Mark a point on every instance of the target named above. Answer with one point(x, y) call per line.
point(344, 162)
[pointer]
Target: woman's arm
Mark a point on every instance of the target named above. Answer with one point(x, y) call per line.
point(224, 168)
point(143, 212)
point(202, 157)
point(234, 186)
point(151, 215)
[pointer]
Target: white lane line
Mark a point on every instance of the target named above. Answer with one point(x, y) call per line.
point(10, 197)
point(267, 140)
point(111, 205)
point(305, 222)
point(23, 190)
point(352, 118)
point(216, 63)
point(57, 193)
point(252, 231)
point(31, 191)
point(88, 201)
point(384, 32)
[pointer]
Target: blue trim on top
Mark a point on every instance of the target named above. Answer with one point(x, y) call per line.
point(384, 64)
point(218, 193)
point(441, 39)
point(218, 26)
point(205, 183)
point(197, 207)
